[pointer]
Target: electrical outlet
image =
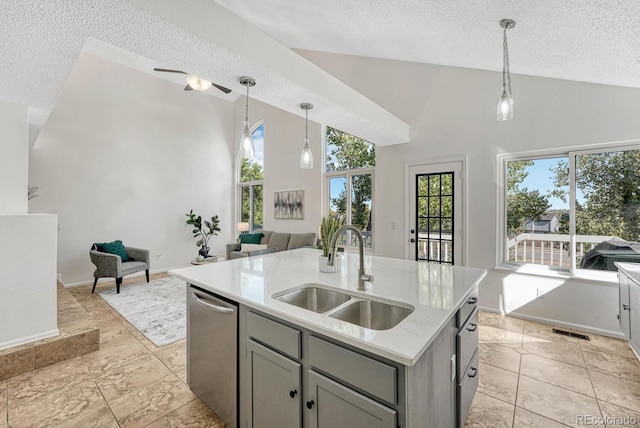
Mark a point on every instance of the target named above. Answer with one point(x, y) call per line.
point(59, 226)
point(158, 256)
point(394, 225)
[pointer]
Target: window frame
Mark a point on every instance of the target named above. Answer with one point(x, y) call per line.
point(502, 262)
point(240, 185)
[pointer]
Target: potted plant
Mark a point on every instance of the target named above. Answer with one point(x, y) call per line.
point(203, 233)
point(328, 227)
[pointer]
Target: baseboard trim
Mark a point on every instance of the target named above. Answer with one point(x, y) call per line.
point(557, 323)
point(141, 273)
point(29, 339)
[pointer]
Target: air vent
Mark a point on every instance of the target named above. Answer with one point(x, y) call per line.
point(571, 334)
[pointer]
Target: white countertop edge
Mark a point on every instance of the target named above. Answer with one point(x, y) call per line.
point(402, 358)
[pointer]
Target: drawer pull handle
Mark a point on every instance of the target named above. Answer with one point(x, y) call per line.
point(474, 371)
point(625, 307)
point(472, 300)
point(293, 393)
point(310, 404)
point(472, 327)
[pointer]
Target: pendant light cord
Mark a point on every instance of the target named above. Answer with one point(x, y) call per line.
point(246, 110)
point(506, 73)
point(306, 126)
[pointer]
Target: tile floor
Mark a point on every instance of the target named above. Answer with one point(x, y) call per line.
point(529, 377)
point(532, 377)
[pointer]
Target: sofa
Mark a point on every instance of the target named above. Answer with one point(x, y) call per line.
point(274, 241)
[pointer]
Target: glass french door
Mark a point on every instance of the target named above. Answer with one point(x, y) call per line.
point(435, 219)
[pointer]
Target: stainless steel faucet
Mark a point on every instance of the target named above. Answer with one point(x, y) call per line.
point(333, 248)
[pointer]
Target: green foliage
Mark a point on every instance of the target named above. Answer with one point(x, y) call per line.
point(250, 172)
point(345, 151)
point(522, 203)
point(328, 226)
point(211, 228)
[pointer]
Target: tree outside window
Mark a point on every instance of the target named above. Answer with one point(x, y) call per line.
point(349, 170)
point(251, 183)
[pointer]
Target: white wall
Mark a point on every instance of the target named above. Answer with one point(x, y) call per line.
point(452, 112)
point(124, 156)
point(14, 154)
point(283, 143)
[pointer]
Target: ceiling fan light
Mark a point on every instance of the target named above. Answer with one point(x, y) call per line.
point(306, 158)
point(198, 83)
point(505, 107)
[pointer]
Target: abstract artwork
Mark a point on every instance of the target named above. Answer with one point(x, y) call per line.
point(289, 205)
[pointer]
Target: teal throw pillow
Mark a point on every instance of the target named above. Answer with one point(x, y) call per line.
point(115, 247)
point(251, 238)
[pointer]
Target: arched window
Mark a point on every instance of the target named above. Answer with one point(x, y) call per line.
point(250, 179)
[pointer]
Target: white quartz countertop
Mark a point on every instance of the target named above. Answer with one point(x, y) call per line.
point(631, 269)
point(434, 290)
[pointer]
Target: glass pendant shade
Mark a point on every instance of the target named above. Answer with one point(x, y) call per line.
point(246, 143)
point(505, 106)
point(198, 83)
point(306, 158)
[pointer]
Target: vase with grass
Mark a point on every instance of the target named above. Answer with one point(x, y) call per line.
point(203, 232)
point(328, 226)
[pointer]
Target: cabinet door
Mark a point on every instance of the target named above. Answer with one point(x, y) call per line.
point(333, 405)
point(623, 304)
point(274, 388)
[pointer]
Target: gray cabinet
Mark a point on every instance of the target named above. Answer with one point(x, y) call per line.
point(333, 405)
point(634, 316)
point(623, 304)
point(274, 388)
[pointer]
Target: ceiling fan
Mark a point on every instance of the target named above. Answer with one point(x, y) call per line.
point(195, 82)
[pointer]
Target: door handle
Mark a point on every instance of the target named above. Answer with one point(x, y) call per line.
point(412, 240)
point(625, 307)
point(310, 404)
point(293, 393)
point(472, 327)
point(216, 308)
point(412, 231)
point(472, 300)
point(474, 371)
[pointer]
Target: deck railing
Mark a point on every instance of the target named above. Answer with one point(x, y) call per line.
point(550, 249)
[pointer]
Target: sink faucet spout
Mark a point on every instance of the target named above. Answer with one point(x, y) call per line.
point(333, 248)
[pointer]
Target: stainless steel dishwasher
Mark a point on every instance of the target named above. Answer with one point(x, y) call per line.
point(212, 352)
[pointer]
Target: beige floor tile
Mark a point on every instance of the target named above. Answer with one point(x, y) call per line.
point(619, 416)
point(556, 350)
point(501, 321)
point(174, 355)
point(557, 373)
point(151, 402)
point(498, 383)
point(500, 356)
point(110, 358)
point(131, 376)
point(612, 364)
point(81, 401)
point(489, 412)
point(69, 347)
point(615, 390)
point(3, 404)
point(527, 419)
point(608, 345)
point(14, 362)
point(195, 414)
point(552, 402)
point(41, 382)
point(498, 336)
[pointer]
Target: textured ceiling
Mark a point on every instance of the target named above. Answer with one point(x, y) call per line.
point(594, 41)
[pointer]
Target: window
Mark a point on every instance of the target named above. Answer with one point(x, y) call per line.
point(574, 211)
point(350, 163)
point(251, 176)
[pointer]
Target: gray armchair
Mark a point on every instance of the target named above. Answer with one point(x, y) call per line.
point(112, 266)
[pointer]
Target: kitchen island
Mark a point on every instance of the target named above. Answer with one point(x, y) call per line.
point(419, 373)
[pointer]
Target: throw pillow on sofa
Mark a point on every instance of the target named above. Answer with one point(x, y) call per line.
point(245, 248)
point(250, 238)
point(115, 247)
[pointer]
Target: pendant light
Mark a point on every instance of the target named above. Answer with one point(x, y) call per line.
point(247, 149)
point(505, 105)
point(306, 158)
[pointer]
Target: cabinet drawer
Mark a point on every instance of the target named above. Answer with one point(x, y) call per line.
point(467, 342)
point(467, 307)
point(372, 376)
point(272, 333)
point(467, 390)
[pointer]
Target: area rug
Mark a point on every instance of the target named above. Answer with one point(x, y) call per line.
point(158, 308)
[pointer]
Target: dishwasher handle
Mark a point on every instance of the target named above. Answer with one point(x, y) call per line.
point(216, 308)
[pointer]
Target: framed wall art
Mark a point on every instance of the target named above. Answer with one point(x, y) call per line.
point(289, 204)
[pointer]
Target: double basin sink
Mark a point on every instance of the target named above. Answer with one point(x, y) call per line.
point(364, 312)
